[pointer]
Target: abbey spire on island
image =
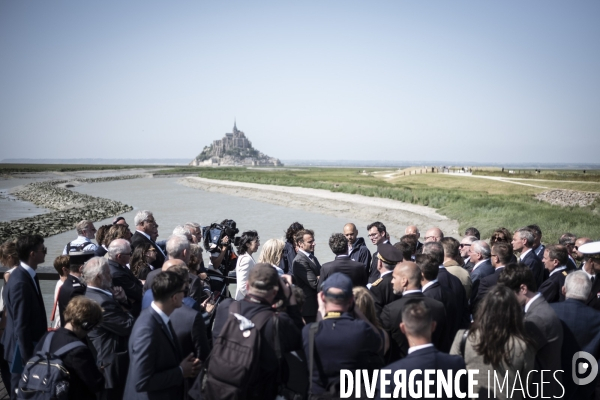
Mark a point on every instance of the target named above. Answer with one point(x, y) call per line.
point(233, 149)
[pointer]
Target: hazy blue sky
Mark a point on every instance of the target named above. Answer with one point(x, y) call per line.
point(513, 81)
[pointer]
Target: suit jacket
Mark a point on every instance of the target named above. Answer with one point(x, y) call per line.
point(112, 335)
point(123, 277)
point(383, 292)
point(26, 319)
point(154, 371)
point(373, 271)
point(551, 289)
point(70, 288)
point(453, 314)
point(137, 239)
point(482, 286)
point(594, 297)
point(581, 329)
point(306, 273)
point(451, 282)
point(287, 258)
point(571, 265)
point(462, 275)
point(484, 269)
point(536, 266)
point(391, 316)
point(429, 358)
point(353, 269)
point(543, 325)
point(191, 332)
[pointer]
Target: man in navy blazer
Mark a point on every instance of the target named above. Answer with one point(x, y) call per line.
point(479, 254)
point(146, 231)
point(523, 242)
point(157, 368)
point(119, 255)
point(306, 269)
point(501, 255)
point(25, 317)
point(418, 325)
point(354, 270)
point(581, 329)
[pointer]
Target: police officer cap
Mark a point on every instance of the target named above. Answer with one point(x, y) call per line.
point(80, 257)
point(389, 253)
point(590, 248)
point(338, 281)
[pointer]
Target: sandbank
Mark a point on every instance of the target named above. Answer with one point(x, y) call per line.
point(396, 215)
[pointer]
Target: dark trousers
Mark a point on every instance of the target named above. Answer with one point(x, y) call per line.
point(14, 384)
point(5, 370)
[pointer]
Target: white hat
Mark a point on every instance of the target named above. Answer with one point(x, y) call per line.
point(590, 248)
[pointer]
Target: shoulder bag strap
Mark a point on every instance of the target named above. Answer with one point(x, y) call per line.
point(46, 346)
point(68, 347)
point(312, 331)
point(463, 343)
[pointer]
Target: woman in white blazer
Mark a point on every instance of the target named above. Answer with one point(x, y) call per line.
point(249, 243)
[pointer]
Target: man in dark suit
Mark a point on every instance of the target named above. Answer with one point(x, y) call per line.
point(479, 256)
point(432, 289)
point(555, 260)
point(357, 249)
point(382, 290)
point(591, 266)
point(73, 285)
point(157, 367)
point(146, 231)
point(109, 339)
point(581, 328)
point(500, 256)
point(378, 235)
point(450, 281)
point(353, 269)
point(568, 240)
point(465, 247)
point(306, 270)
point(24, 307)
point(418, 325)
point(189, 327)
point(523, 242)
point(541, 321)
point(407, 281)
point(119, 254)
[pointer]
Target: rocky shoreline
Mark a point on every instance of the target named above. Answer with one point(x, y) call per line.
point(567, 198)
point(69, 207)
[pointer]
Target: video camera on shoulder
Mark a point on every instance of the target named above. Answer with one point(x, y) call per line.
point(214, 234)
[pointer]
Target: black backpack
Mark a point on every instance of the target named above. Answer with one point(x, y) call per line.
point(45, 376)
point(235, 358)
point(76, 247)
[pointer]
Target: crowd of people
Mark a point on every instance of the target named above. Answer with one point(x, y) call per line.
point(157, 323)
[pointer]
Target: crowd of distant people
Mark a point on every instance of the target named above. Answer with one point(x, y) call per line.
point(157, 323)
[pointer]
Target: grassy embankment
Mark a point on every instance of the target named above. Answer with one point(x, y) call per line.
point(483, 203)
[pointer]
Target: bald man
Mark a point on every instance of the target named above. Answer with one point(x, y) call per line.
point(413, 230)
point(406, 281)
point(434, 235)
point(357, 248)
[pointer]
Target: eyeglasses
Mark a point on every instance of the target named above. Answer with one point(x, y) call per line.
point(432, 237)
point(45, 250)
point(494, 255)
point(373, 234)
point(464, 245)
point(151, 222)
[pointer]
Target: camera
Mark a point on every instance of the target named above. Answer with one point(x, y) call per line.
point(214, 234)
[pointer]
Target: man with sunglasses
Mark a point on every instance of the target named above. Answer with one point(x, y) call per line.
point(146, 231)
point(24, 306)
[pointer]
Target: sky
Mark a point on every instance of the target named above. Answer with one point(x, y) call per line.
point(480, 81)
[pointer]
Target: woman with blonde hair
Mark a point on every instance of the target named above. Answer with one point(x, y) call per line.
point(271, 253)
point(364, 302)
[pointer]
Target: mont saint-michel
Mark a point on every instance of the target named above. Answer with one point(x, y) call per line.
point(233, 149)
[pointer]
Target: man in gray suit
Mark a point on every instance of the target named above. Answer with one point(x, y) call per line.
point(541, 322)
point(157, 368)
point(109, 339)
point(306, 269)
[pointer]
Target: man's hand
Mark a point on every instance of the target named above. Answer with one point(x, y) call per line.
point(190, 366)
point(119, 294)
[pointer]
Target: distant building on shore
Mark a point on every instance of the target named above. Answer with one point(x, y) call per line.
point(233, 149)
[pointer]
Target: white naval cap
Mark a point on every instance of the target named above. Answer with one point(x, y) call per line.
point(590, 248)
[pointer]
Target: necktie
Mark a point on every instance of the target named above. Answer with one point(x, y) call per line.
point(37, 284)
point(174, 338)
point(593, 279)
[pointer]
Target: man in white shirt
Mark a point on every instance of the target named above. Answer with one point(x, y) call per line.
point(85, 233)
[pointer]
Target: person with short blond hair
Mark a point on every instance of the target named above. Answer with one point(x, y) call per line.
point(272, 253)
